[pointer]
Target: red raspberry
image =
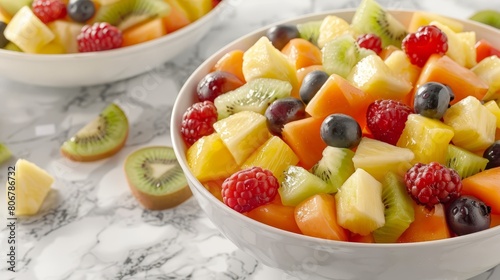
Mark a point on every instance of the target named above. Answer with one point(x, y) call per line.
point(100, 36)
point(49, 10)
point(433, 183)
point(371, 42)
point(386, 119)
point(249, 188)
point(428, 40)
point(198, 121)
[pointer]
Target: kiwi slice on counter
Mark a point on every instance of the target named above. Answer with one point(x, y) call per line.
point(340, 55)
point(334, 167)
point(102, 137)
point(5, 153)
point(464, 162)
point(156, 178)
point(255, 95)
point(127, 13)
point(310, 30)
point(370, 17)
point(399, 212)
point(489, 17)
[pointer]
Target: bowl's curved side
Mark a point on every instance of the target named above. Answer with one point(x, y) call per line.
point(312, 258)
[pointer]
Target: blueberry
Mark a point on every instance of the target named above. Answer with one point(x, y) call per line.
point(467, 214)
point(81, 10)
point(311, 84)
point(341, 131)
point(283, 111)
point(433, 99)
point(492, 154)
point(280, 35)
point(3, 40)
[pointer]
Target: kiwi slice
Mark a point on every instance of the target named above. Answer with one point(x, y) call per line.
point(310, 30)
point(102, 137)
point(340, 55)
point(334, 167)
point(299, 184)
point(464, 162)
point(255, 95)
point(12, 47)
point(156, 178)
point(5, 153)
point(127, 13)
point(489, 17)
point(399, 212)
point(370, 17)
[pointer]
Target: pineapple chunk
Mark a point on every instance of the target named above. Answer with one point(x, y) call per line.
point(196, 8)
point(468, 40)
point(263, 60)
point(377, 158)
point(28, 32)
point(455, 44)
point(374, 77)
point(32, 184)
point(65, 34)
point(474, 124)
point(359, 204)
point(488, 70)
point(494, 109)
point(332, 27)
point(421, 18)
point(209, 159)
point(427, 138)
point(243, 133)
point(399, 63)
point(275, 155)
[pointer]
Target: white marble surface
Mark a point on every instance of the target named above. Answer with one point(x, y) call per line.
point(90, 226)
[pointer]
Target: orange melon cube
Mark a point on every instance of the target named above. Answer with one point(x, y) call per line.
point(276, 215)
point(302, 53)
point(428, 225)
point(177, 18)
point(485, 186)
point(144, 32)
point(231, 62)
point(495, 220)
point(303, 136)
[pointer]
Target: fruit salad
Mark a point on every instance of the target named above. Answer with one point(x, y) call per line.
point(363, 131)
point(75, 26)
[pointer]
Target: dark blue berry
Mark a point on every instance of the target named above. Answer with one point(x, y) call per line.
point(492, 154)
point(283, 111)
point(341, 131)
point(280, 35)
point(81, 10)
point(432, 100)
point(467, 214)
point(311, 84)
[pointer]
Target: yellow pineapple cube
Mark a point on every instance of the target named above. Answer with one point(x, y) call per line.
point(468, 40)
point(275, 155)
point(332, 27)
point(455, 44)
point(473, 123)
point(32, 184)
point(427, 138)
point(421, 18)
point(488, 70)
point(209, 159)
point(399, 63)
point(494, 109)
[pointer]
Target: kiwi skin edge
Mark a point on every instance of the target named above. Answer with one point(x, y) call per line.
point(161, 202)
point(89, 158)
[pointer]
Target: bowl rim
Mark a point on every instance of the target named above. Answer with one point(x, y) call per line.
point(128, 50)
point(180, 149)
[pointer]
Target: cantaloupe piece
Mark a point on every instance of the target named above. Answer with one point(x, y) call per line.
point(302, 53)
point(303, 136)
point(276, 215)
point(231, 62)
point(144, 32)
point(361, 238)
point(316, 216)
point(427, 226)
point(301, 74)
point(176, 18)
point(337, 95)
point(495, 220)
point(485, 186)
point(461, 80)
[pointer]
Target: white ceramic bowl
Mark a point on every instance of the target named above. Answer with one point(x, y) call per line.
point(312, 258)
point(86, 69)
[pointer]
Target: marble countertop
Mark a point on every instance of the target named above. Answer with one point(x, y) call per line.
point(90, 226)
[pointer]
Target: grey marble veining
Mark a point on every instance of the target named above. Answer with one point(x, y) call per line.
point(90, 226)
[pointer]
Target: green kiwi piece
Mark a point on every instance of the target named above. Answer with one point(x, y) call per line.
point(489, 17)
point(12, 47)
point(310, 30)
point(102, 137)
point(464, 162)
point(334, 167)
point(254, 96)
point(399, 212)
point(340, 55)
point(12, 6)
point(127, 13)
point(156, 178)
point(299, 184)
point(5, 153)
point(370, 17)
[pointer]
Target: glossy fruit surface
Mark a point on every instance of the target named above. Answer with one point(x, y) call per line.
point(49, 10)
point(428, 40)
point(341, 131)
point(433, 99)
point(198, 121)
point(280, 35)
point(81, 10)
point(492, 154)
point(468, 214)
point(283, 111)
point(386, 119)
point(311, 84)
point(370, 42)
point(215, 84)
point(99, 37)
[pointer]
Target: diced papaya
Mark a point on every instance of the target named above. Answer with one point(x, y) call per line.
point(176, 18)
point(428, 225)
point(461, 80)
point(302, 53)
point(316, 216)
point(485, 49)
point(303, 136)
point(231, 62)
point(301, 74)
point(144, 32)
point(361, 238)
point(215, 188)
point(337, 95)
point(276, 215)
point(484, 186)
point(495, 220)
